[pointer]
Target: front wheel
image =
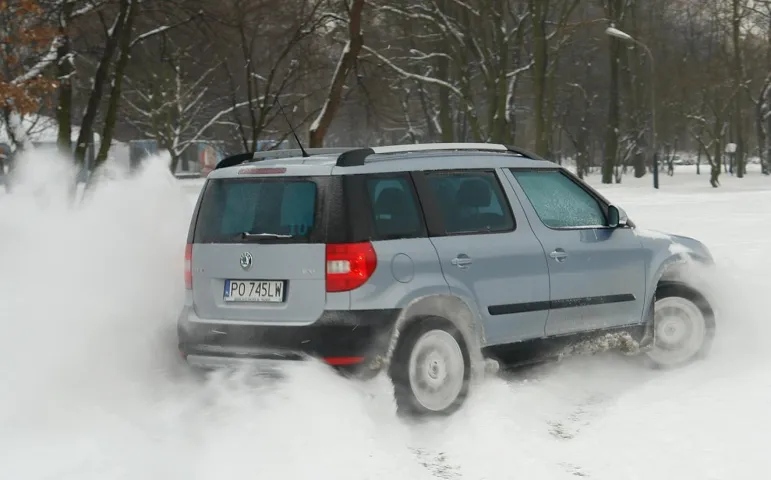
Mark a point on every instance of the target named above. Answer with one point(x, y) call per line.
point(430, 368)
point(683, 327)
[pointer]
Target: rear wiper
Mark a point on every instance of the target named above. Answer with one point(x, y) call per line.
point(255, 236)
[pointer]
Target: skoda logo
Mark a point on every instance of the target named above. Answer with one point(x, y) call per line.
point(246, 260)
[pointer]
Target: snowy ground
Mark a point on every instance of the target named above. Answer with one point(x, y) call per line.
point(92, 388)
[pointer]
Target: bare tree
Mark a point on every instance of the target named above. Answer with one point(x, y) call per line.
point(169, 104)
point(268, 48)
point(345, 65)
point(513, 71)
point(466, 67)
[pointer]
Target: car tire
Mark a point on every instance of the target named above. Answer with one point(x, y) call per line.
point(683, 327)
point(430, 368)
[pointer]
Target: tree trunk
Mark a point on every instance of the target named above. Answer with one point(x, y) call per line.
point(510, 102)
point(765, 102)
point(738, 68)
point(582, 144)
point(445, 115)
point(111, 116)
point(612, 131)
point(499, 125)
point(714, 173)
point(348, 58)
point(100, 78)
point(64, 71)
point(761, 133)
point(174, 161)
point(636, 89)
point(540, 62)
point(698, 160)
point(551, 104)
point(767, 153)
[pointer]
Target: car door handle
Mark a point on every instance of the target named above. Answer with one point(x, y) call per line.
point(559, 255)
point(461, 261)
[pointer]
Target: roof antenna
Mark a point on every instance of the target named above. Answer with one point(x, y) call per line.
point(305, 154)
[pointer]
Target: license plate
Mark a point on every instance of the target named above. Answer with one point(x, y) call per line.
point(254, 291)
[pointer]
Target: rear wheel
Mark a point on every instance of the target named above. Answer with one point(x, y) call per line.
point(430, 368)
point(683, 326)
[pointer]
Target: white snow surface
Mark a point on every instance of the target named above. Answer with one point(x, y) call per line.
point(92, 387)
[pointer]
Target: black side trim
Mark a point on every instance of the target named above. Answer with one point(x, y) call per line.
point(432, 212)
point(511, 308)
point(586, 301)
point(359, 217)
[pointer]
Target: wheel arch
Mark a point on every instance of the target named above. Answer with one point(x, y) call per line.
point(676, 270)
point(674, 267)
point(460, 312)
point(689, 291)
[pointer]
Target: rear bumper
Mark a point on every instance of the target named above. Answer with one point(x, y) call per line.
point(261, 366)
point(346, 339)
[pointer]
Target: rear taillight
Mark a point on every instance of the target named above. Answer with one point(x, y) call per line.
point(349, 265)
point(189, 267)
point(343, 361)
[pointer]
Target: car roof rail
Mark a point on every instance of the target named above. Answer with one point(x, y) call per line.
point(357, 157)
point(272, 154)
point(523, 152)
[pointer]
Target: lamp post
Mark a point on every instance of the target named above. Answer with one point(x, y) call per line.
point(614, 32)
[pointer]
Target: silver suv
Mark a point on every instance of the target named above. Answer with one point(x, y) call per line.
point(425, 261)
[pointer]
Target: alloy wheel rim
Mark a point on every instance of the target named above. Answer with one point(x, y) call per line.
point(436, 370)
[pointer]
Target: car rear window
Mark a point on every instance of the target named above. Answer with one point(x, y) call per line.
point(231, 207)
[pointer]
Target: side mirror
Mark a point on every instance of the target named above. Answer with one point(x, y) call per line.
point(617, 217)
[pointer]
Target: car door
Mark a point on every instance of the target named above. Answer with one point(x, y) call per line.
point(596, 273)
point(485, 253)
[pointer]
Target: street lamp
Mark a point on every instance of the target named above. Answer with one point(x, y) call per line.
point(614, 32)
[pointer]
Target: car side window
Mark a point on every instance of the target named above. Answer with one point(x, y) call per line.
point(559, 201)
point(471, 202)
point(395, 211)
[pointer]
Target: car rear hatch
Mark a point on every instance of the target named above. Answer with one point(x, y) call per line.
point(258, 252)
